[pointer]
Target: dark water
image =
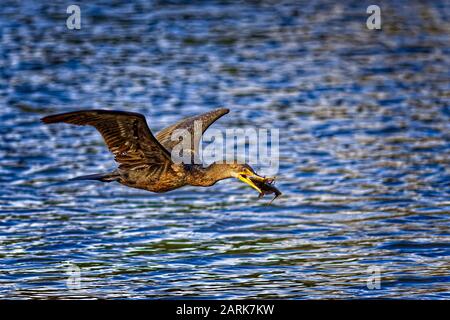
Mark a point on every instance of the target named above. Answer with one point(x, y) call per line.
point(364, 150)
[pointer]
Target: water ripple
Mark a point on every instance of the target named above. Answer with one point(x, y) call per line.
point(364, 150)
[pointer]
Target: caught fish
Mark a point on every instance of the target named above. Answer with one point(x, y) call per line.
point(266, 186)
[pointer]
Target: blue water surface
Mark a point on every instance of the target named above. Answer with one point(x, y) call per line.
point(364, 149)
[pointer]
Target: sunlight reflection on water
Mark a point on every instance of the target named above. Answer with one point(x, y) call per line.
point(364, 150)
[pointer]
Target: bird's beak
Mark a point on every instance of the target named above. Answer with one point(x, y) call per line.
point(245, 177)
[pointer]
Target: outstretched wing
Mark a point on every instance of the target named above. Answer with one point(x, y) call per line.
point(202, 121)
point(126, 134)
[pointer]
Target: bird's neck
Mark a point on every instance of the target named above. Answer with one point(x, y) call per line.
point(204, 177)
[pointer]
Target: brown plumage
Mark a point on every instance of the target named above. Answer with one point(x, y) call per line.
point(203, 122)
point(145, 161)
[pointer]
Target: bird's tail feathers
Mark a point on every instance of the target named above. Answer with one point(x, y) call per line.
point(105, 177)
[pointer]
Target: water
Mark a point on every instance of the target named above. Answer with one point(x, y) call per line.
point(364, 150)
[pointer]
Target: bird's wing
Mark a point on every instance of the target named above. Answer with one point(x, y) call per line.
point(202, 121)
point(126, 134)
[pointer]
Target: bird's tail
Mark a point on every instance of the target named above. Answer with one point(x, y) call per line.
point(105, 177)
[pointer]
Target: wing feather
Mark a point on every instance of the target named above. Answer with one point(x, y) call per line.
point(188, 124)
point(125, 133)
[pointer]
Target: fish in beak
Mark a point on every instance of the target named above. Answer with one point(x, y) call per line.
point(261, 184)
point(267, 187)
point(244, 176)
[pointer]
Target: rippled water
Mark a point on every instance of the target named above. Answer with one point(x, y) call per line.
point(364, 164)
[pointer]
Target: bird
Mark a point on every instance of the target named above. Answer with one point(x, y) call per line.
point(144, 160)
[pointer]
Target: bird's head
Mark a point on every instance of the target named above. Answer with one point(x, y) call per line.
point(245, 173)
